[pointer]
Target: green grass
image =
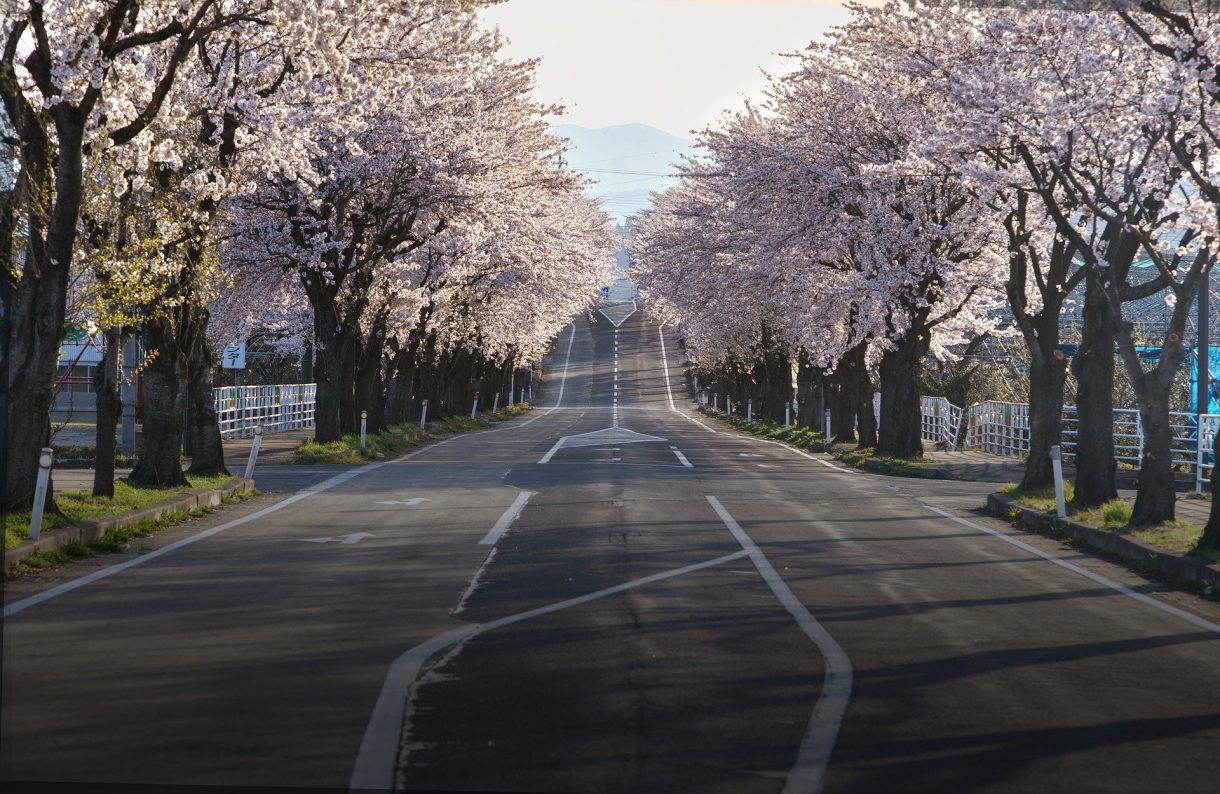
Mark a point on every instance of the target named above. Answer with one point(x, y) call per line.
point(113, 540)
point(1177, 536)
point(803, 437)
point(395, 439)
point(77, 506)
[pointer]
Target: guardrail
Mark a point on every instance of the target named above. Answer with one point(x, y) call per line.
point(275, 408)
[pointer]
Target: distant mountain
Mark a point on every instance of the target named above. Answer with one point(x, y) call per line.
point(626, 161)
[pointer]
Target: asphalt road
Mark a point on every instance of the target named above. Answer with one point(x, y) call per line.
point(609, 594)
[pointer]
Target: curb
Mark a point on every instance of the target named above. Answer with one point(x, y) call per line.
point(880, 466)
point(87, 531)
point(1176, 567)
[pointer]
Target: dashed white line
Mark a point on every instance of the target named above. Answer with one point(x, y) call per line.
point(682, 459)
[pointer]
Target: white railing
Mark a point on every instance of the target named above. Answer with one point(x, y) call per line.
point(1003, 429)
point(940, 420)
point(276, 408)
point(1203, 451)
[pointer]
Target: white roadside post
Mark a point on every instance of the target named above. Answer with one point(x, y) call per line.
point(715, 402)
point(475, 409)
point(495, 404)
point(512, 386)
point(364, 424)
point(40, 491)
point(728, 404)
point(750, 410)
point(787, 415)
point(522, 400)
point(1057, 469)
point(826, 428)
point(423, 415)
point(258, 439)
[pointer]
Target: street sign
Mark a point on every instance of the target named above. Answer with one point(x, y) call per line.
point(234, 356)
point(606, 291)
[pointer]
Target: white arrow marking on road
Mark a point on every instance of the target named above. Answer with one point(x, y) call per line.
point(418, 500)
point(346, 540)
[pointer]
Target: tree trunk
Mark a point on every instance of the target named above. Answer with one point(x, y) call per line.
point(842, 400)
point(369, 397)
point(1093, 367)
point(327, 357)
point(1047, 374)
point(1155, 499)
point(36, 300)
point(398, 388)
point(160, 453)
point(1211, 533)
point(901, 435)
point(207, 447)
point(109, 411)
point(866, 419)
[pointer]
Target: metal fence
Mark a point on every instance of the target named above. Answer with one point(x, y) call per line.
point(1003, 429)
point(274, 408)
point(940, 420)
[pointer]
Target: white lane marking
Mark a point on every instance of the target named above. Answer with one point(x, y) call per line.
point(1192, 619)
point(475, 581)
point(67, 587)
point(564, 379)
point(550, 454)
point(506, 519)
point(412, 502)
point(805, 776)
point(665, 363)
point(376, 761)
point(344, 540)
point(682, 459)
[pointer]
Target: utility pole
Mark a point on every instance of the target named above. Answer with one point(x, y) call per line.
point(1203, 394)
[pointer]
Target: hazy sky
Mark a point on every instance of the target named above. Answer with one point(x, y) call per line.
point(672, 64)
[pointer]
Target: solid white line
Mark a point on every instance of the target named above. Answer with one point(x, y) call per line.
point(564, 380)
point(1192, 619)
point(665, 363)
point(506, 519)
point(683, 460)
point(67, 587)
point(805, 776)
point(547, 457)
point(378, 756)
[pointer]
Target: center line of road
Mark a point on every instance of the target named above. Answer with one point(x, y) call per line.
point(805, 776)
point(506, 519)
point(682, 459)
point(388, 727)
point(1194, 620)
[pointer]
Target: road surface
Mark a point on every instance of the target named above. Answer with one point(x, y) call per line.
point(609, 594)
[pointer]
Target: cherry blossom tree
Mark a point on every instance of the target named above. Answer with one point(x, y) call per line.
point(77, 78)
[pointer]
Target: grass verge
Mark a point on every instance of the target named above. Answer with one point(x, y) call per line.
point(77, 506)
point(395, 439)
point(802, 437)
point(1177, 537)
point(113, 540)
